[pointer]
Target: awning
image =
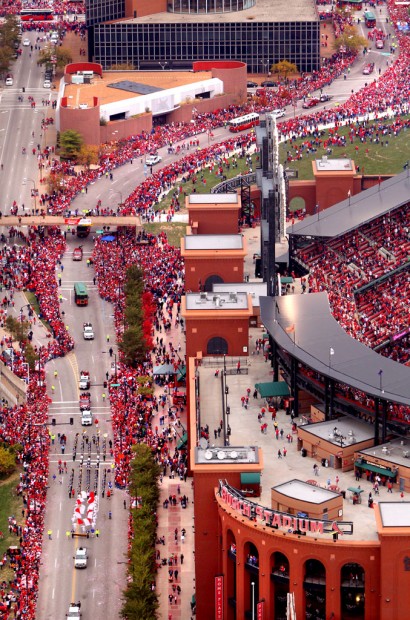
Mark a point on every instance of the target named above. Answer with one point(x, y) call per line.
point(378, 470)
point(181, 373)
point(250, 478)
point(273, 388)
point(286, 280)
point(164, 369)
point(355, 490)
point(182, 442)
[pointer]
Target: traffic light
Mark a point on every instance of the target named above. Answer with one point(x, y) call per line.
point(71, 421)
point(53, 421)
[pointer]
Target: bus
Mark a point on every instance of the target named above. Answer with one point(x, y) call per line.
point(369, 19)
point(80, 294)
point(36, 15)
point(83, 228)
point(244, 122)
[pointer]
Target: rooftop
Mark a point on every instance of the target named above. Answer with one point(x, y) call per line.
point(263, 11)
point(255, 289)
point(334, 165)
point(220, 301)
point(213, 242)
point(317, 340)
point(242, 454)
point(395, 514)
point(396, 451)
point(297, 489)
point(341, 432)
point(109, 88)
point(357, 210)
point(246, 431)
point(198, 199)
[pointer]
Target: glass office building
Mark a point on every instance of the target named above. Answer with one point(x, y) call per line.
point(258, 44)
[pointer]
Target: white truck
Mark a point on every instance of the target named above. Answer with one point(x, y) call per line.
point(84, 383)
point(88, 331)
point(74, 612)
point(81, 558)
point(86, 417)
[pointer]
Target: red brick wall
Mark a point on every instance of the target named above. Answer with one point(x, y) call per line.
point(210, 223)
point(230, 270)
point(126, 128)
point(86, 122)
point(144, 7)
point(200, 331)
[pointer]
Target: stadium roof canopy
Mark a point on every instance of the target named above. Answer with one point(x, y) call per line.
point(303, 326)
point(352, 212)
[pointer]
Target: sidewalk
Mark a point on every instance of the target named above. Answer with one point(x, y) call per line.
point(179, 554)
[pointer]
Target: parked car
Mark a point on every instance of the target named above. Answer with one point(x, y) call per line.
point(26, 42)
point(251, 85)
point(9, 81)
point(153, 159)
point(269, 84)
point(47, 84)
point(368, 69)
point(310, 103)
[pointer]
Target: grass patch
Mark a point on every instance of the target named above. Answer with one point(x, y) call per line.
point(377, 160)
point(210, 179)
point(32, 300)
point(174, 231)
point(10, 504)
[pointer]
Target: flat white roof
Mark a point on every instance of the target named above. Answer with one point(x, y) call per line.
point(239, 454)
point(296, 489)
point(213, 242)
point(341, 432)
point(216, 301)
point(196, 199)
point(395, 514)
point(333, 165)
point(255, 289)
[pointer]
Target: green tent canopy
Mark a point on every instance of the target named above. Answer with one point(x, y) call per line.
point(250, 478)
point(182, 442)
point(378, 470)
point(273, 388)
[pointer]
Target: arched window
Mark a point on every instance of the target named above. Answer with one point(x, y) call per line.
point(352, 591)
point(217, 346)
point(314, 585)
point(210, 281)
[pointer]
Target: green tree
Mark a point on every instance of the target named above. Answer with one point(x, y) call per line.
point(284, 68)
point(88, 155)
point(6, 56)
point(350, 41)
point(7, 462)
point(62, 56)
point(71, 142)
point(133, 346)
point(18, 329)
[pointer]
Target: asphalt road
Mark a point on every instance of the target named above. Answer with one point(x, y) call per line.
point(99, 587)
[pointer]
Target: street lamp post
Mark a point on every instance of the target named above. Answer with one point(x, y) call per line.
point(253, 600)
point(163, 64)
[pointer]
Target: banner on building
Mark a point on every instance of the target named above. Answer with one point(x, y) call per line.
point(260, 610)
point(219, 597)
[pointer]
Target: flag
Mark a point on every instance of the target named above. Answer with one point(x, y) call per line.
point(290, 329)
point(331, 351)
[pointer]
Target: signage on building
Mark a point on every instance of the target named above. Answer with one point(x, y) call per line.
point(72, 221)
point(219, 597)
point(277, 519)
point(260, 610)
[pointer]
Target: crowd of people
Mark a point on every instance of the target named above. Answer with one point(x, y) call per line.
point(35, 265)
